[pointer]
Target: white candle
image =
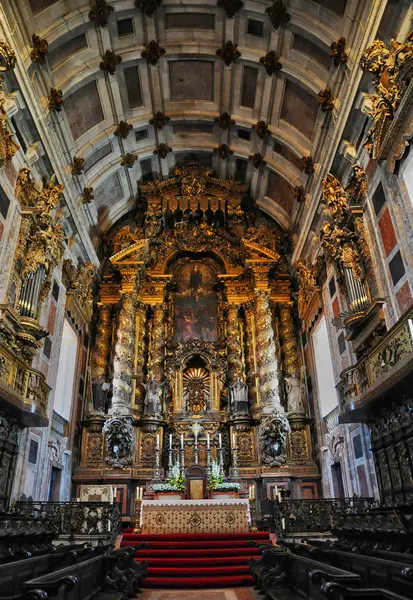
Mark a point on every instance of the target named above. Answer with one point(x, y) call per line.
point(157, 440)
point(208, 446)
point(170, 441)
point(234, 439)
point(138, 493)
point(220, 440)
point(283, 523)
point(182, 441)
point(115, 490)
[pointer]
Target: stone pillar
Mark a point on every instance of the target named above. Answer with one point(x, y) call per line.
point(250, 354)
point(157, 348)
point(123, 364)
point(101, 347)
point(141, 314)
point(234, 345)
point(266, 354)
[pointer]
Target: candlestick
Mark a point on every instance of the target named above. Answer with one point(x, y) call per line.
point(170, 441)
point(208, 446)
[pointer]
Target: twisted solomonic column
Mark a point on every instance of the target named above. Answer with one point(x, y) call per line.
point(157, 353)
point(249, 351)
point(141, 313)
point(123, 364)
point(266, 354)
point(234, 345)
point(288, 341)
point(101, 346)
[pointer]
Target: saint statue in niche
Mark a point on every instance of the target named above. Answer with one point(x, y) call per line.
point(195, 303)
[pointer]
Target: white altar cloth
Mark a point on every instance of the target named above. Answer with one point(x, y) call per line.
point(196, 516)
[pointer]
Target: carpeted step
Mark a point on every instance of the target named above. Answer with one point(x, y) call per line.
point(154, 544)
point(171, 537)
point(198, 562)
point(198, 582)
point(147, 553)
point(198, 571)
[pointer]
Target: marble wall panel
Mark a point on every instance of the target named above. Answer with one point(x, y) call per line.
point(281, 191)
point(312, 50)
point(388, 234)
point(83, 109)
point(108, 192)
point(404, 297)
point(191, 80)
point(299, 108)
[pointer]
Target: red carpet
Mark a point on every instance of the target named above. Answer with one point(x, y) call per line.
point(204, 560)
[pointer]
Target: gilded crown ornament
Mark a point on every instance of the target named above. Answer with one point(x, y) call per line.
point(7, 57)
point(40, 49)
point(228, 52)
point(153, 52)
point(162, 150)
point(128, 160)
point(271, 63)
point(109, 62)
point(338, 52)
point(261, 129)
point(78, 165)
point(8, 146)
point(326, 100)
point(87, 195)
point(148, 7)
point(257, 160)
point(123, 129)
point(224, 121)
point(299, 194)
point(308, 165)
point(223, 151)
point(159, 120)
point(278, 14)
point(230, 6)
point(100, 13)
point(55, 100)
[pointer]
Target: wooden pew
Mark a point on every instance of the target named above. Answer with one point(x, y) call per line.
point(284, 575)
point(335, 591)
point(373, 571)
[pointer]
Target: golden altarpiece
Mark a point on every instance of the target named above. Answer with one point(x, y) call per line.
point(195, 346)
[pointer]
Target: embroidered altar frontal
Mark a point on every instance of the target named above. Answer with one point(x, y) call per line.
point(195, 516)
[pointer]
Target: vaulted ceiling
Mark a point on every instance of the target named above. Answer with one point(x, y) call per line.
point(192, 86)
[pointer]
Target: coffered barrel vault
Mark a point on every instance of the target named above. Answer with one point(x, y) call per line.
point(127, 65)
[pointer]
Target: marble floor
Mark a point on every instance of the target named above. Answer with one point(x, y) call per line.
point(215, 594)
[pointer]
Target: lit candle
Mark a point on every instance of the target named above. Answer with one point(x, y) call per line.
point(170, 441)
point(182, 441)
point(208, 446)
point(220, 440)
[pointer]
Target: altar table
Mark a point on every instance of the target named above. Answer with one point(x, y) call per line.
point(195, 516)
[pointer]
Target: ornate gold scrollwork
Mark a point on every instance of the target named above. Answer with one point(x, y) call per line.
point(8, 146)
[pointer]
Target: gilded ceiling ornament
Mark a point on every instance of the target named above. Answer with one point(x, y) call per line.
point(338, 52)
point(109, 62)
point(153, 52)
point(261, 129)
point(40, 49)
point(100, 13)
point(299, 193)
point(78, 165)
point(159, 120)
point(162, 150)
point(7, 57)
point(228, 52)
point(87, 195)
point(123, 129)
point(356, 188)
point(391, 66)
point(55, 100)
point(148, 7)
point(271, 62)
point(224, 121)
point(230, 6)
point(334, 196)
point(326, 100)
point(278, 14)
point(8, 146)
point(308, 165)
point(223, 151)
point(257, 160)
point(128, 160)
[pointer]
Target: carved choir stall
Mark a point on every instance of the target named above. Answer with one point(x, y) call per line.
point(195, 361)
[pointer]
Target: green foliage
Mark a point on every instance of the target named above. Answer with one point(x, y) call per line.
point(178, 482)
point(215, 478)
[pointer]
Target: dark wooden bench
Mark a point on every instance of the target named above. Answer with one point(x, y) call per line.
point(284, 575)
point(335, 591)
point(113, 576)
point(373, 570)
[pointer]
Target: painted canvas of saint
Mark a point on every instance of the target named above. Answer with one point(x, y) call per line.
point(195, 303)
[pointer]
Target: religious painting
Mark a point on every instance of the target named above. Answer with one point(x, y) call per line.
point(195, 303)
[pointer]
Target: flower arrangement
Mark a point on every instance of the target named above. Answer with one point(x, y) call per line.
point(215, 477)
point(228, 486)
point(175, 484)
point(163, 487)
